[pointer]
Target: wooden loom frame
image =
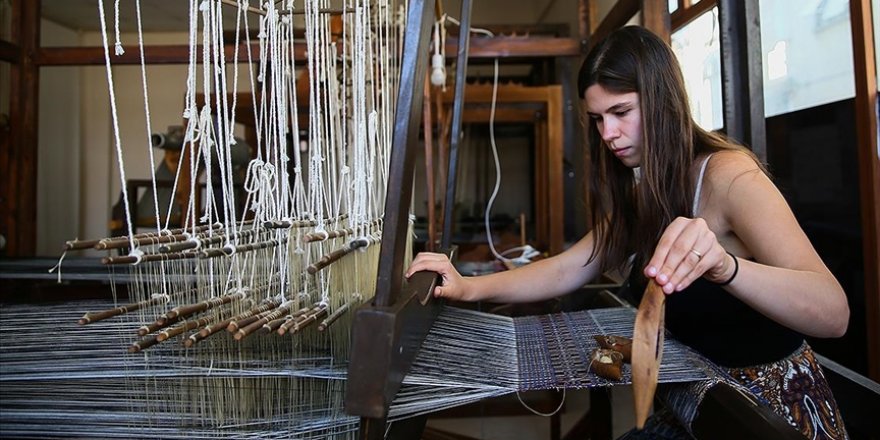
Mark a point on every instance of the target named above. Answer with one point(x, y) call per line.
point(24, 52)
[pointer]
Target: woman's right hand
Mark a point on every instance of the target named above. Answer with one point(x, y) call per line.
point(453, 286)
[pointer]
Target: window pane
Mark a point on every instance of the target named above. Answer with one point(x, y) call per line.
point(698, 48)
point(807, 54)
point(673, 6)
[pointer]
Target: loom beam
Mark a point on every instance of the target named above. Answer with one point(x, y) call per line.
point(387, 333)
point(457, 115)
point(385, 340)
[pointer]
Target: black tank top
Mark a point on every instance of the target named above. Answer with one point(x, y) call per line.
point(720, 326)
point(717, 324)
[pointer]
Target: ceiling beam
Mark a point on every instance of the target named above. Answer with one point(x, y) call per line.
point(486, 47)
point(620, 14)
point(684, 15)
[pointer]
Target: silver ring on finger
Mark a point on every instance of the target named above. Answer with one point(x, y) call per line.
point(697, 253)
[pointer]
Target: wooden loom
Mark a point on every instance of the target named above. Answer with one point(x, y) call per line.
point(387, 332)
point(393, 325)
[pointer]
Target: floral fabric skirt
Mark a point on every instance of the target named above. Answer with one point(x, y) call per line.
point(794, 387)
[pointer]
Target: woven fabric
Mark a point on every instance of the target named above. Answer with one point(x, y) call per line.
point(553, 351)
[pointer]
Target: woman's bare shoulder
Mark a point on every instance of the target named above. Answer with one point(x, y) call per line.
point(728, 165)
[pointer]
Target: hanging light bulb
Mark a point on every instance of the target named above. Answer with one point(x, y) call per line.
point(438, 66)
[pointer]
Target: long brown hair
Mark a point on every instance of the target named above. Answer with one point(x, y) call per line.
point(629, 217)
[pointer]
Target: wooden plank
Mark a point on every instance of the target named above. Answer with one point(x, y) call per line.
point(554, 170)
point(153, 54)
point(541, 199)
point(572, 148)
point(385, 340)
point(461, 53)
point(505, 46)
point(655, 18)
point(388, 332)
point(586, 22)
point(522, 29)
point(487, 47)
point(19, 215)
point(428, 134)
point(617, 17)
point(684, 15)
point(742, 81)
point(869, 171)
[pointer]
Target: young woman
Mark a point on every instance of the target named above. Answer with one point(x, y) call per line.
point(698, 214)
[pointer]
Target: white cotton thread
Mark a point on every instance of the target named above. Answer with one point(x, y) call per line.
point(118, 46)
point(57, 266)
point(137, 254)
point(116, 135)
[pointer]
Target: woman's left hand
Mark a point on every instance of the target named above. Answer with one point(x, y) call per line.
point(687, 250)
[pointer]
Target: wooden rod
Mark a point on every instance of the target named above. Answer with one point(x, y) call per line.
point(227, 251)
point(336, 255)
point(336, 233)
point(153, 326)
point(143, 344)
point(256, 325)
point(190, 309)
point(91, 317)
point(178, 329)
point(250, 316)
point(147, 258)
point(86, 244)
point(303, 321)
point(275, 324)
point(428, 129)
point(328, 321)
point(206, 240)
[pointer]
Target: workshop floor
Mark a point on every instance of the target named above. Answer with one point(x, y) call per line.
point(534, 427)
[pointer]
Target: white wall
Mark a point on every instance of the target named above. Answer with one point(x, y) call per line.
point(79, 180)
point(59, 150)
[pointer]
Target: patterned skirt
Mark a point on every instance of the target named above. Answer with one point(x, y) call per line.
point(794, 387)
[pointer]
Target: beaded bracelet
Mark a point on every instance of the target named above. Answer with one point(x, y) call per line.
point(735, 270)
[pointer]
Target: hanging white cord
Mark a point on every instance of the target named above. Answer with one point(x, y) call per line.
point(163, 275)
point(118, 46)
point(527, 251)
point(538, 413)
point(115, 115)
point(497, 162)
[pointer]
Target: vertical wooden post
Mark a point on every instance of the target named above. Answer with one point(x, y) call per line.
point(869, 171)
point(742, 80)
point(19, 215)
point(655, 17)
point(428, 130)
point(586, 22)
point(457, 112)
